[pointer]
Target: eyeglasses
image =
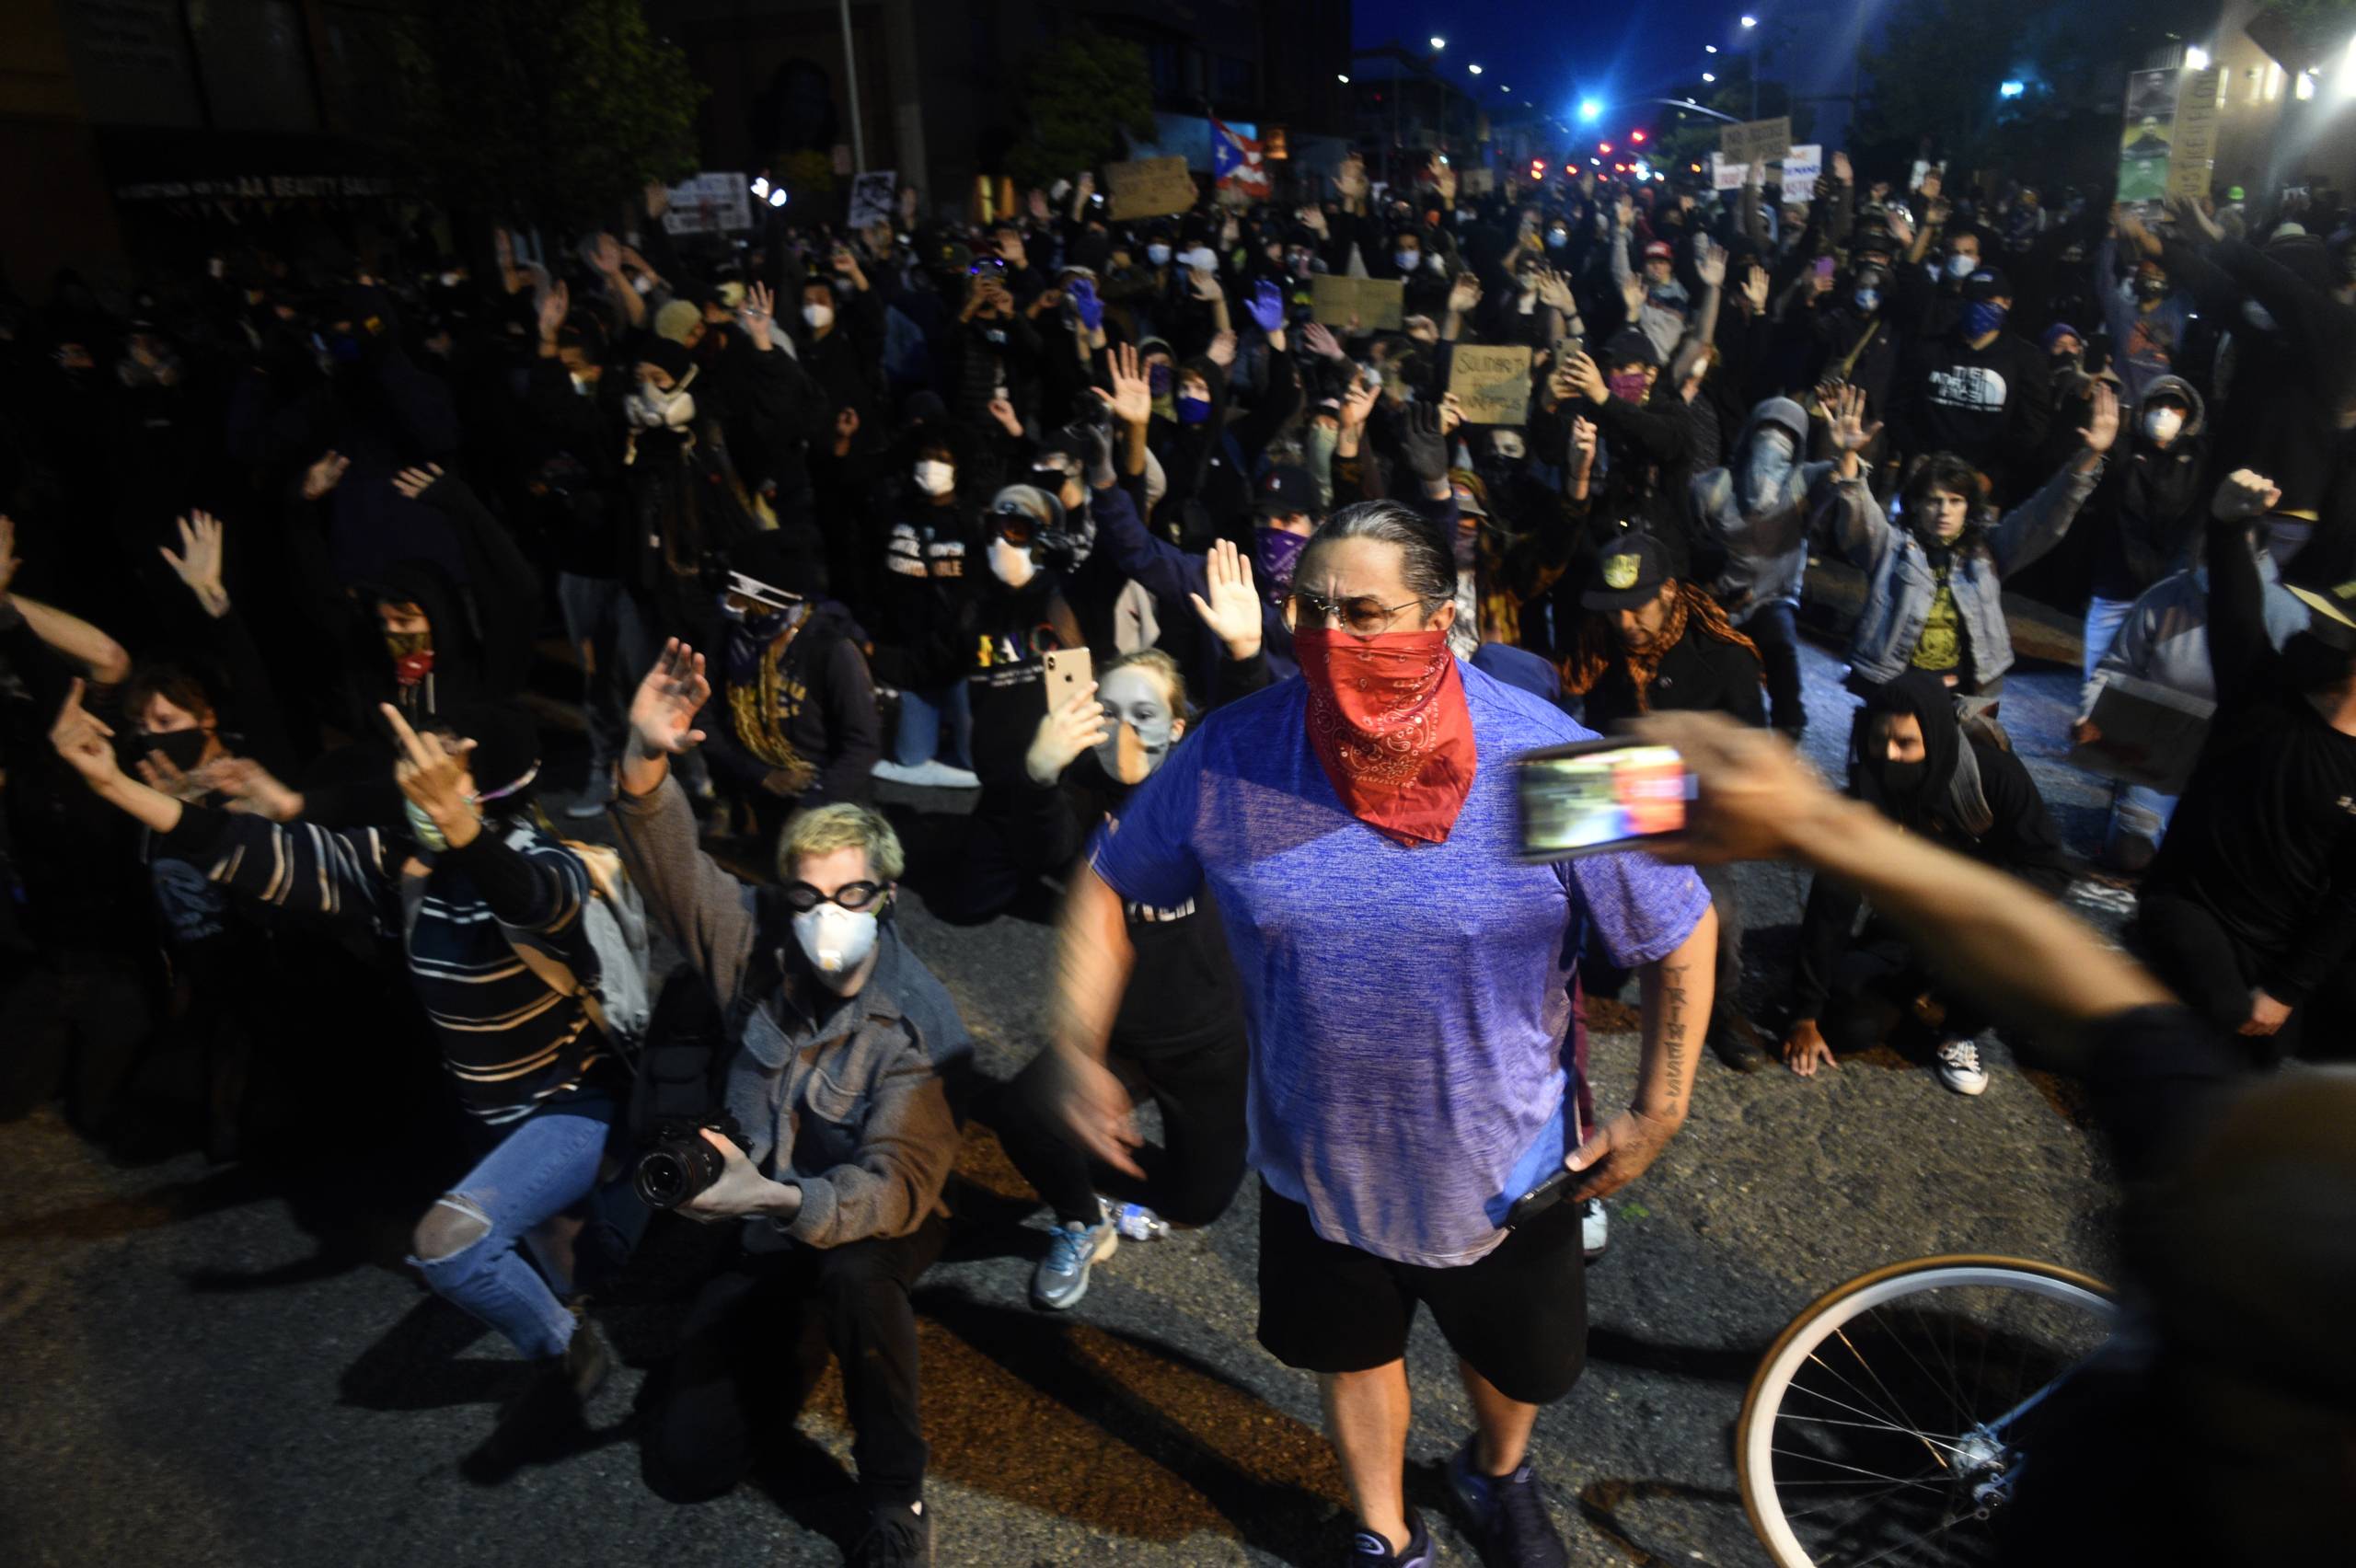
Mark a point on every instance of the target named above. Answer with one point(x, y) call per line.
point(1364, 616)
point(802, 898)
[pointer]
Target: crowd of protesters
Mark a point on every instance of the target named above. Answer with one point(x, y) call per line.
point(1211, 616)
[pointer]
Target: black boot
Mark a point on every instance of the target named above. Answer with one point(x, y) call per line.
point(548, 1410)
point(899, 1535)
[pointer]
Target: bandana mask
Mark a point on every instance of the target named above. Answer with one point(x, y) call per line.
point(413, 656)
point(1278, 550)
point(1982, 317)
point(1628, 385)
point(1194, 410)
point(1139, 726)
point(1388, 722)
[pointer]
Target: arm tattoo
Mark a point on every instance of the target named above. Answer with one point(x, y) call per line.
point(1672, 1025)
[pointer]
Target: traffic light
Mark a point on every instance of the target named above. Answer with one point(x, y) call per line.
point(1638, 137)
point(1537, 168)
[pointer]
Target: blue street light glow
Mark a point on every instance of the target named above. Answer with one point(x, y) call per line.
point(2010, 89)
point(1591, 110)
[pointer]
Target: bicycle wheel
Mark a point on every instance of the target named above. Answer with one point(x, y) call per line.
point(1877, 1429)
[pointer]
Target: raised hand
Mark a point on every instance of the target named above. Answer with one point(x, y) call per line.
point(198, 564)
point(1205, 283)
point(1444, 179)
point(414, 482)
point(1841, 171)
point(1580, 374)
point(1267, 306)
point(1229, 604)
point(2244, 494)
point(1085, 304)
point(1132, 394)
point(1709, 263)
point(1222, 350)
point(657, 196)
point(1902, 223)
point(2131, 228)
point(84, 740)
point(1003, 412)
point(1463, 294)
point(432, 773)
point(1555, 291)
point(756, 315)
point(555, 304)
point(1851, 435)
point(1451, 414)
point(1357, 403)
point(2193, 212)
point(2102, 425)
point(1754, 287)
point(663, 714)
point(250, 788)
point(1582, 448)
point(324, 475)
point(1318, 339)
point(1068, 729)
point(605, 254)
point(1423, 449)
point(1011, 251)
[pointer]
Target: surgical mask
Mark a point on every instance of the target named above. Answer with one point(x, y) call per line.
point(1194, 410)
point(1012, 564)
point(1767, 468)
point(835, 940)
point(182, 748)
point(1962, 267)
point(1982, 317)
point(423, 828)
point(1157, 255)
point(819, 317)
point(935, 478)
point(1139, 726)
point(1868, 300)
point(1408, 260)
point(2162, 424)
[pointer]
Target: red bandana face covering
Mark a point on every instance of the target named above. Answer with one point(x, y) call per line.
point(1388, 722)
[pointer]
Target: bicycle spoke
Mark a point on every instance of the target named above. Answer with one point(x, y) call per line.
point(1870, 1475)
point(1843, 1334)
point(1873, 1426)
point(1906, 1545)
point(1896, 1425)
point(1947, 1374)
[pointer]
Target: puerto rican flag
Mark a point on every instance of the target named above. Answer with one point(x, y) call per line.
point(1235, 160)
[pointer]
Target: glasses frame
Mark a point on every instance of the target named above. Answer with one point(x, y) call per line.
point(1331, 610)
point(794, 891)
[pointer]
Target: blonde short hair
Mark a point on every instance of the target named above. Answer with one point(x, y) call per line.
point(1164, 669)
point(822, 830)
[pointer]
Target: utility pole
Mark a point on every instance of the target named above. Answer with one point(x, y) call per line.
point(850, 79)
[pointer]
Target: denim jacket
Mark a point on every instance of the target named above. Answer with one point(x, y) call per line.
point(1900, 583)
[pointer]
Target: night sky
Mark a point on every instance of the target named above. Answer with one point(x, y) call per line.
point(1554, 53)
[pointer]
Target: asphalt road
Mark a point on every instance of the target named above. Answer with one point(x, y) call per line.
point(233, 1366)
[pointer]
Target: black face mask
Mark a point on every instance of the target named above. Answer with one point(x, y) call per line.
point(182, 748)
point(1903, 781)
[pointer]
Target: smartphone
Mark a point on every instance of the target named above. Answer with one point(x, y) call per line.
point(1069, 670)
point(1598, 796)
point(1824, 267)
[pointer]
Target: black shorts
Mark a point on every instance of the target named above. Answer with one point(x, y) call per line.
point(1518, 1315)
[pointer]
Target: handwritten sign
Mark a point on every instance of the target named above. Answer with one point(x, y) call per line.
point(1756, 141)
point(1491, 384)
point(2193, 161)
point(871, 197)
point(1149, 188)
point(709, 203)
point(1803, 167)
point(1361, 304)
point(1728, 173)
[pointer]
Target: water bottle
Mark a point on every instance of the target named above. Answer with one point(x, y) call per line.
point(1138, 1223)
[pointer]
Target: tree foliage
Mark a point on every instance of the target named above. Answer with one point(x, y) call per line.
point(1078, 95)
point(544, 111)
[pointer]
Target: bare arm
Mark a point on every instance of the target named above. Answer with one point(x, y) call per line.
point(1677, 992)
point(1093, 957)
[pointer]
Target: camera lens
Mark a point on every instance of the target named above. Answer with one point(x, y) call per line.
point(663, 1179)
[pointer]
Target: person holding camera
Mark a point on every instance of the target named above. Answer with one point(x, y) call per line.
point(842, 1049)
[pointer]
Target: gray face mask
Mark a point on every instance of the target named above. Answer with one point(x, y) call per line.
point(1139, 725)
point(1767, 467)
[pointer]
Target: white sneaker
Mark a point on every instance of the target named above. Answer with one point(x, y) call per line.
point(941, 775)
point(1595, 1229)
point(893, 773)
point(1959, 1066)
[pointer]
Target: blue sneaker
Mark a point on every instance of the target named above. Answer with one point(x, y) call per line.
point(1072, 1250)
point(1368, 1550)
point(1506, 1515)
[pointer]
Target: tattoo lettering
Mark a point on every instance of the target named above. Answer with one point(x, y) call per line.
point(1672, 1027)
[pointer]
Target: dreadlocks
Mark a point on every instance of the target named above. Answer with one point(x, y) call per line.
point(1596, 647)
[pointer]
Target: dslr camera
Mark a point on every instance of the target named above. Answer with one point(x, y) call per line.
point(680, 1163)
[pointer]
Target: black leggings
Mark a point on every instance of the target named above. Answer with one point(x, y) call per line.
point(1875, 987)
point(1199, 1085)
point(756, 1342)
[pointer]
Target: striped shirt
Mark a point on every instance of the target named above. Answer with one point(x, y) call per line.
point(509, 1039)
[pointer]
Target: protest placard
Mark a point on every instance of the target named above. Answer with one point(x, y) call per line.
point(871, 197)
point(1149, 188)
point(1728, 173)
point(2193, 160)
point(709, 203)
point(1364, 304)
point(1492, 384)
point(1756, 141)
point(1803, 167)
point(2148, 135)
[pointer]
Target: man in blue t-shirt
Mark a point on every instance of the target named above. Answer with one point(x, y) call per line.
point(1407, 990)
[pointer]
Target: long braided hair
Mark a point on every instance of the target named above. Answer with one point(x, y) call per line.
point(1596, 647)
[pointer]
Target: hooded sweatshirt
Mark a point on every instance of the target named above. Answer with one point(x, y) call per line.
point(1759, 511)
point(2149, 508)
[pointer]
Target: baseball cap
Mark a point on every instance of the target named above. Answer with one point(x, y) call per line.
point(1285, 489)
point(1660, 251)
point(1628, 346)
point(1629, 573)
point(1989, 283)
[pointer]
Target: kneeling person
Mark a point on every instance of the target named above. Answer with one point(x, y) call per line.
point(843, 1045)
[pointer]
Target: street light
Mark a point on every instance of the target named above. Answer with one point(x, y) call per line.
point(1342, 77)
point(1439, 44)
point(1476, 70)
point(1709, 49)
point(2196, 58)
point(1750, 21)
point(1709, 76)
point(2010, 89)
point(1591, 110)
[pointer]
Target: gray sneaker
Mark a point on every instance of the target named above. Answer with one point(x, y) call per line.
point(1072, 1250)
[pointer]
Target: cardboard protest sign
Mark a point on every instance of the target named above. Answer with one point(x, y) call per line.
point(1802, 167)
point(1492, 384)
point(2193, 160)
point(1728, 173)
point(709, 203)
point(1756, 141)
point(1478, 182)
point(871, 197)
point(2147, 735)
point(1364, 304)
point(1149, 188)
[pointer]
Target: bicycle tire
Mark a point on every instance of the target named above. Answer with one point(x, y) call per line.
point(1818, 1321)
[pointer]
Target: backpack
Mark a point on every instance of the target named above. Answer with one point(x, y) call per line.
point(614, 919)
